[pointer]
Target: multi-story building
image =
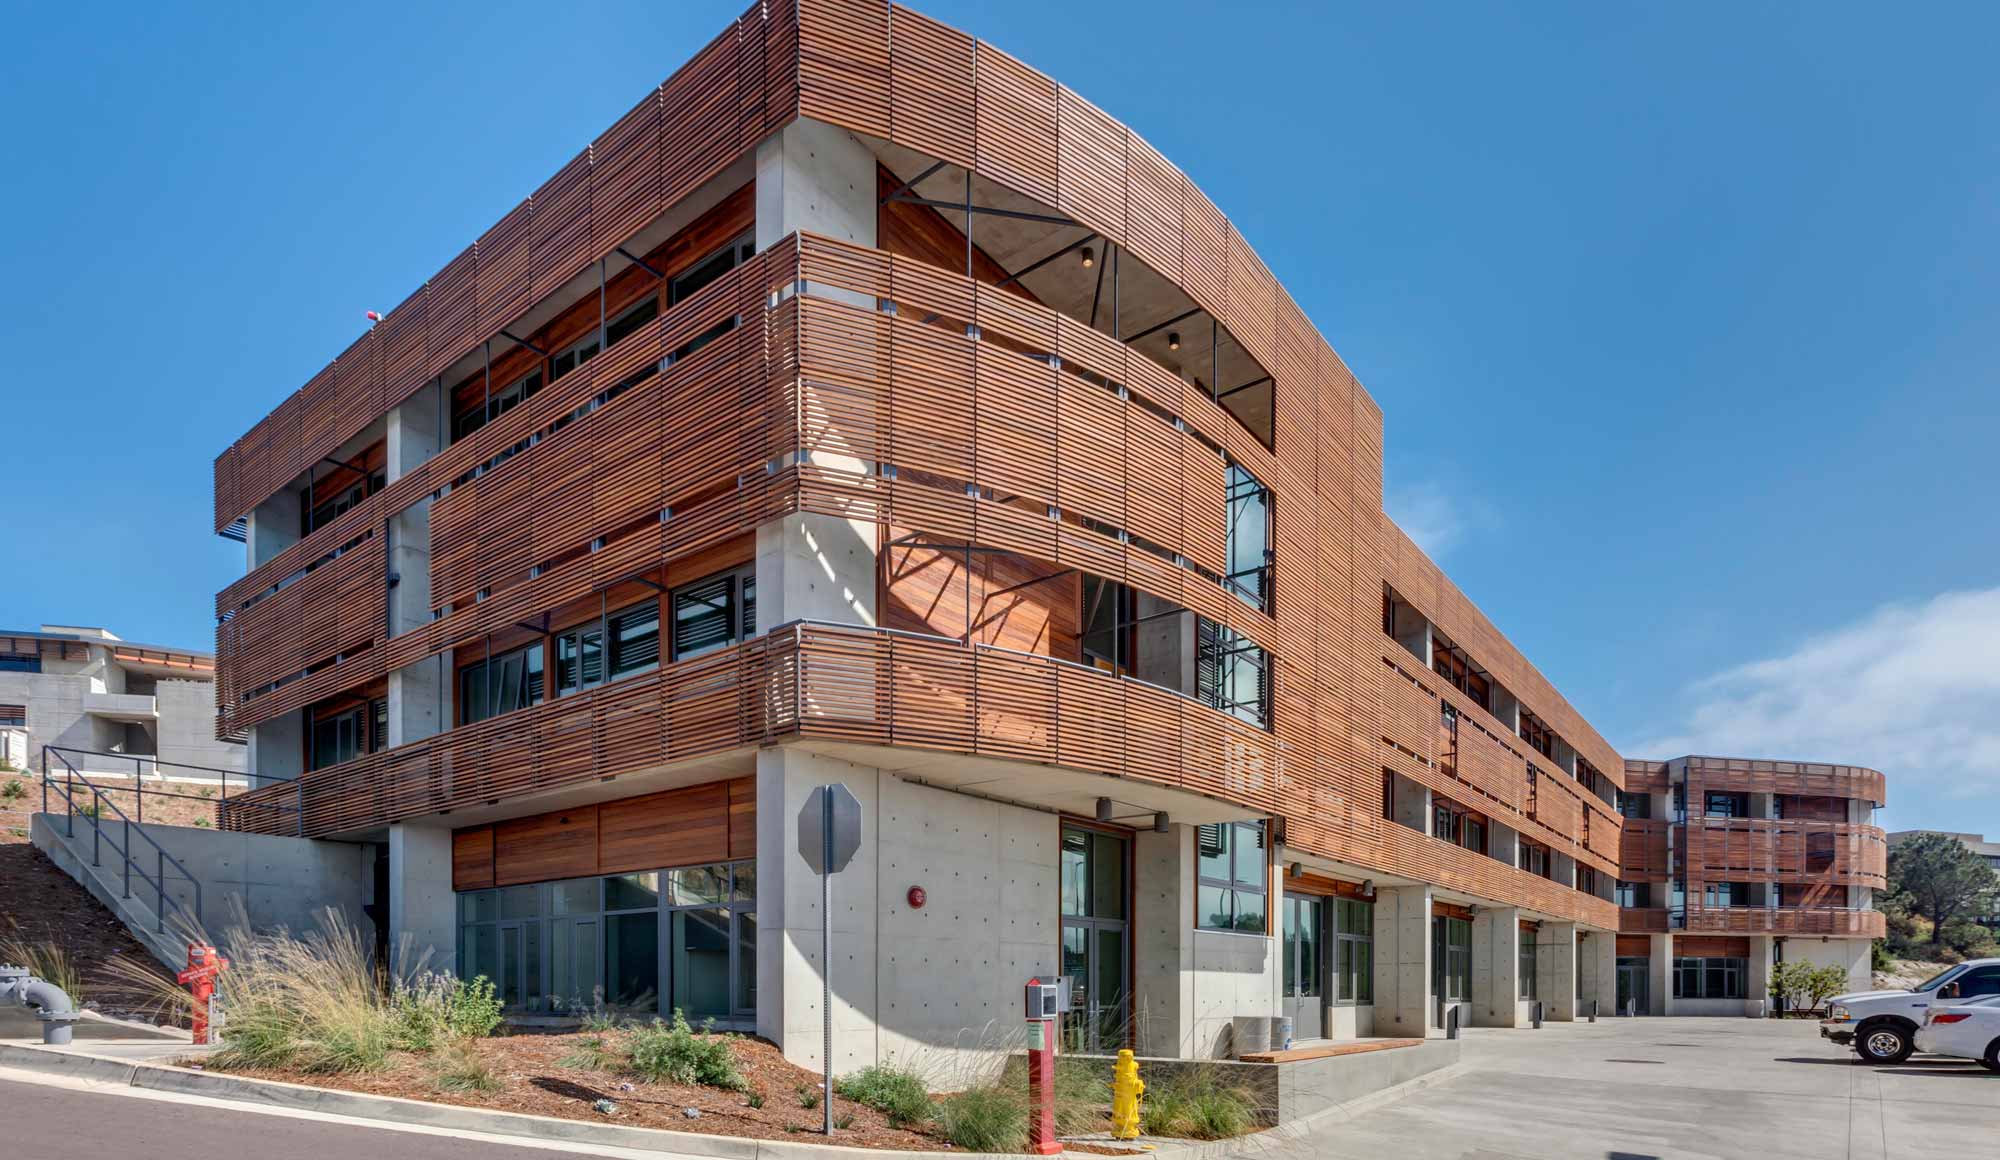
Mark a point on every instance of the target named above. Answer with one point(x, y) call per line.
point(866, 406)
point(104, 700)
point(1989, 852)
point(1730, 865)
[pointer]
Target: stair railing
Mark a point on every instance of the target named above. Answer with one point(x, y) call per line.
point(68, 788)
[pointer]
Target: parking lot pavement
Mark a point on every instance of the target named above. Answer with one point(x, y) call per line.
point(1676, 1089)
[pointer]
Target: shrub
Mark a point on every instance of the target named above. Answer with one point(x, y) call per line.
point(311, 1003)
point(896, 1092)
point(431, 1007)
point(1083, 1093)
point(14, 790)
point(1196, 1104)
point(590, 1055)
point(461, 1068)
point(808, 1094)
point(992, 1117)
point(675, 1053)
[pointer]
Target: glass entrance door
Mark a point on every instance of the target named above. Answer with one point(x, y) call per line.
point(1096, 946)
point(1305, 965)
point(1633, 978)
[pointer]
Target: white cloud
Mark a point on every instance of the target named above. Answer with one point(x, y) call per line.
point(1430, 515)
point(1911, 689)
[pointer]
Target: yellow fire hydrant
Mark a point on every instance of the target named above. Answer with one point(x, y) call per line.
point(1126, 1088)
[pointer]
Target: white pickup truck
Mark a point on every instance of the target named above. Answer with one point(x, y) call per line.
point(1881, 1026)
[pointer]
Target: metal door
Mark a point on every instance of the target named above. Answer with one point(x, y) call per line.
point(1096, 940)
point(1304, 951)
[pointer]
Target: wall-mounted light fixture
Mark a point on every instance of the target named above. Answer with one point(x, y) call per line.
point(1089, 257)
point(1103, 809)
point(1173, 340)
point(1160, 822)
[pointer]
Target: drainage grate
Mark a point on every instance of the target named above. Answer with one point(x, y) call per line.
point(1662, 1062)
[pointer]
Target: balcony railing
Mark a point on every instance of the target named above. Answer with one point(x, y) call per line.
point(807, 679)
point(1849, 922)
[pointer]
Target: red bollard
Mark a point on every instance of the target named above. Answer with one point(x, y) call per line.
point(203, 966)
point(1042, 1069)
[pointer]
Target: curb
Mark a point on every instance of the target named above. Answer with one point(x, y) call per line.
point(391, 1109)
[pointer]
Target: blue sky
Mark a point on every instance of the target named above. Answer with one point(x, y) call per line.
point(1685, 318)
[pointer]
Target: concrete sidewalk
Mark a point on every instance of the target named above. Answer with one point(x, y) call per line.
point(1676, 1089)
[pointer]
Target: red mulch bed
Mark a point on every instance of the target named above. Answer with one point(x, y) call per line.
point(535, 1081)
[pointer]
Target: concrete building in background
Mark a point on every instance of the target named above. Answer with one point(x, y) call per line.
point(86, 690)
point(865, 406)
point(1977, 843)
point(1730, 865)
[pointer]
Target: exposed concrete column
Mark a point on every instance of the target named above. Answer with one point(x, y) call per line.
point(276, 748)
point(420, 700)
point(1757, 988)
point(1598, 952)
point(1555, 970)
point(1403, 961)
point(816, 177)
point(816, 567)
point(1496, 967)
point(1660, 975)
point(273, 527)
point(415, 431)
point(1413, 805)
point(1163, 942)
point(423, 911)
point(410, 568)
point(790, 921)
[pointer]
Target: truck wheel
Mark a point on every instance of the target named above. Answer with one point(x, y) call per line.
point(1991, 1060)
point(1883, 1043)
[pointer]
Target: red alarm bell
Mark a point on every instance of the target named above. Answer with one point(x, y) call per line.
point(917, 897)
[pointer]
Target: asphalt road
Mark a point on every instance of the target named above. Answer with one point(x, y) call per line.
point(58, 1123)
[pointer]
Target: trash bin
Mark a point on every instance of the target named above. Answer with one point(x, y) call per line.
point(1249, 1033)
point(1281, 1033)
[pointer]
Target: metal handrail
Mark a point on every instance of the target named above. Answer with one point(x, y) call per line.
point(158, 879)
point(138, 760)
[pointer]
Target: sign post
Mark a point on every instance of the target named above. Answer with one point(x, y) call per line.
point(829, 835)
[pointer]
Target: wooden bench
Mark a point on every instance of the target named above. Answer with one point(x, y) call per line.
point(1326, 1050)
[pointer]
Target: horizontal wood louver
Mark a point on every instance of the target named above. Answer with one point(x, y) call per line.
point(884, 387)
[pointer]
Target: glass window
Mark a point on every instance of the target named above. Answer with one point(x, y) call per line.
point(1231, 673)
point(1249, 539)
point(1108, 618)
point(20, 662)
point(632, 891)
point(1727, 805)
point(573, 356)
point(1354, 951)
point(707, 270)
point(520, 902)
point(1529, 963)
point(632, 960)
point(698, 885)
point(1635, 805)
point(485, 408)
point(637, 315)
point(1710, 978)
point(1451, 958)
point(1233, 876)
point(635, 638)
point(579, 658)
point(341, 737)
point(708, 615)
point(509, 681)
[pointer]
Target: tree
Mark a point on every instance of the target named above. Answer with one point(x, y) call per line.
point(1804, 985)
point(1938, 877)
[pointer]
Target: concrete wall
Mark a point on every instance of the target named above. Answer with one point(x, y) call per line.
point(423, 911)
point(276, 748)
point(1598, 952)
point(273, 882)
point(420, 699)
point(410, 562)
point(1850, 954)
point(1496, 967)
point(1555, 970)
point(274, 526)
point(1191, 983)
point(187, 727)
point(938, 987)
point(1403, 961)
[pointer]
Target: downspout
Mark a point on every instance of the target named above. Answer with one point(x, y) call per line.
point(57, 1013)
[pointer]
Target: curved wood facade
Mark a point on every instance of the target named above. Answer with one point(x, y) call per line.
point(983, 419)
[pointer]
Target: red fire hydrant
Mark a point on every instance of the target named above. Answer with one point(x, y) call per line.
point(204, 964)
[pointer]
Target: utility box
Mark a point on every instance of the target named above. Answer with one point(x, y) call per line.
point(1044, 1000)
